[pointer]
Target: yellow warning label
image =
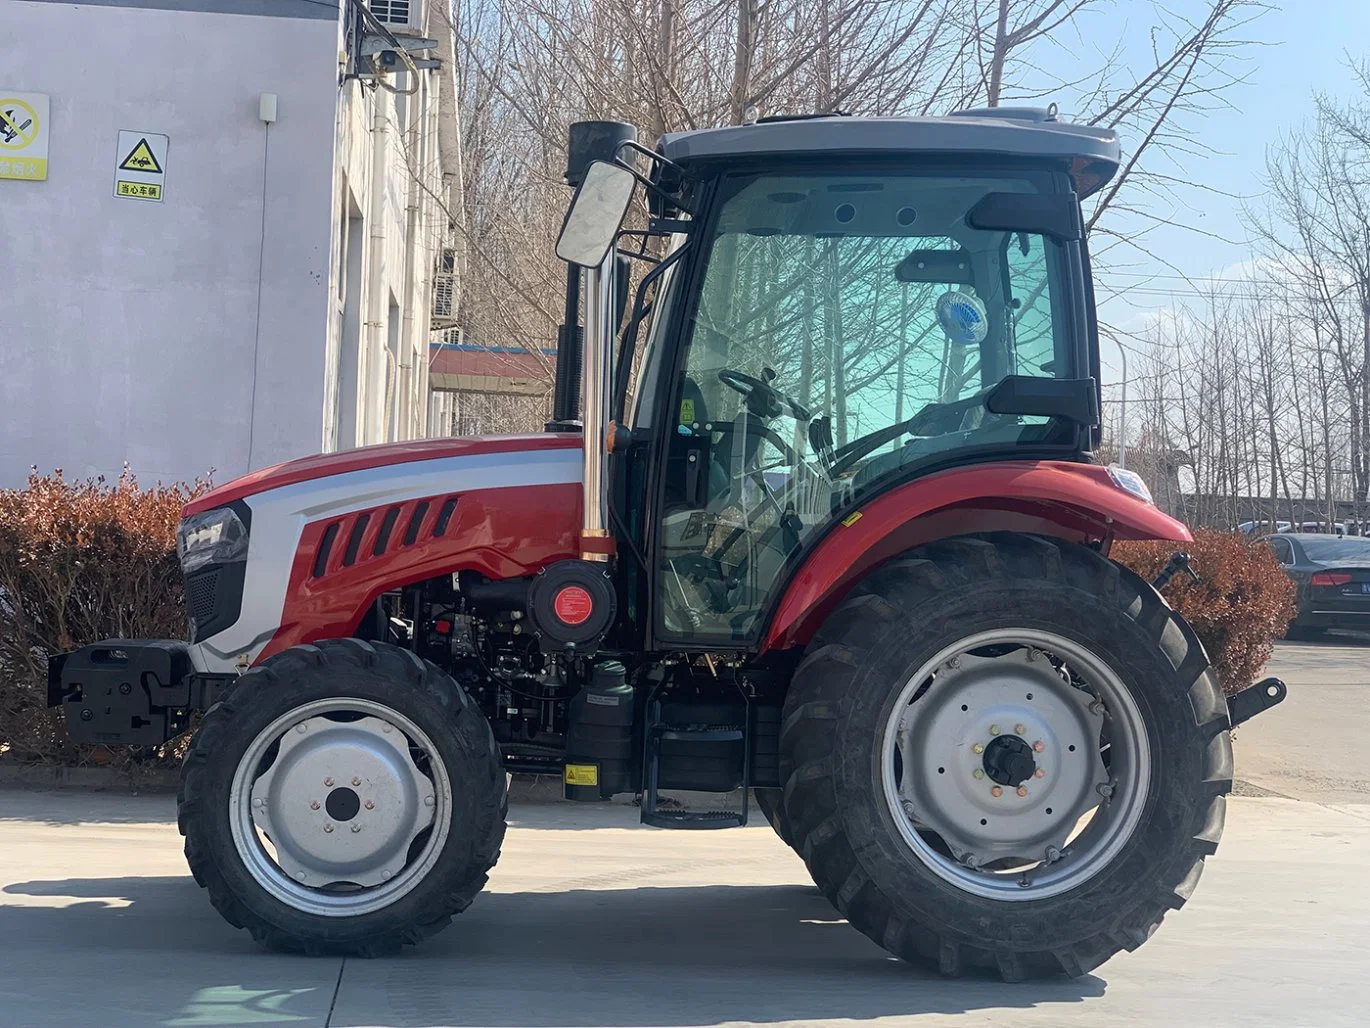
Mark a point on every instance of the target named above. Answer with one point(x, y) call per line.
point(687, 412)
point(138, 190)
point(141, 158)
point(582, 774)
point(851, 519)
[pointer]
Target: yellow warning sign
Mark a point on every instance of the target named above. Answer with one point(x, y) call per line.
point(582, 774)
point(140, 165)
point(23, 136)
point(851, 519)
point(141, 158)
point(687, 412)
point(138, 190)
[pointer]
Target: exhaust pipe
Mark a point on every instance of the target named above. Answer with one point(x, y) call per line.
point(591, 141)
point(599, 338)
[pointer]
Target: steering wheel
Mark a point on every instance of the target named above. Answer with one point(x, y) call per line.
point(763, 399)
point(928, 421)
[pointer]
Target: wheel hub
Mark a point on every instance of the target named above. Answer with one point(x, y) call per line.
point(1008, 761)
point(343, 801)
point(1000, 757)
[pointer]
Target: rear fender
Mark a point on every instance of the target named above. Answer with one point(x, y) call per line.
point(1078, 502)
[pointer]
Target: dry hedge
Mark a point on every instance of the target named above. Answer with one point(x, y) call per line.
point(1241, 605)
point(81, 562)
point(85, 561)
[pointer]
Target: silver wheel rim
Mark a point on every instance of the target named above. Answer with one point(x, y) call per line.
point(957, 778)
point(340, 807)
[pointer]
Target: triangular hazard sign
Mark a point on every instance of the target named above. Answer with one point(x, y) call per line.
point(141, 158)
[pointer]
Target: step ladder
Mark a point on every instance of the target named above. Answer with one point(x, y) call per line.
point(657, 732)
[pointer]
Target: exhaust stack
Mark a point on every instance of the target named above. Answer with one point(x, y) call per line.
point(590, 352)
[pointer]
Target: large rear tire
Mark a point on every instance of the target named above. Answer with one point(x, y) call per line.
point(1005, 752)
point(343, 798)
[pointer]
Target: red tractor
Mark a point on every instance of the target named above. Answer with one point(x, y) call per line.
point(842, 546)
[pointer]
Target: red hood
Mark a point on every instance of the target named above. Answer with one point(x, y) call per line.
point(324, 464)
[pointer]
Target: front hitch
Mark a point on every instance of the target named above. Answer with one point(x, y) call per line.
point(1255, 699)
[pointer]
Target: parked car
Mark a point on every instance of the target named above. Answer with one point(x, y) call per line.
point(1332, 574)
point(1261, 527)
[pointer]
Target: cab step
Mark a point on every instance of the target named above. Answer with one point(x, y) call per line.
point(697, 751)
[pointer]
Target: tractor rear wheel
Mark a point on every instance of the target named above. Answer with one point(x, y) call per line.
point(1005, 752)
point(344, 798)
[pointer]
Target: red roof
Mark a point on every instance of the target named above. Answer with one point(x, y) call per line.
point(498, 362)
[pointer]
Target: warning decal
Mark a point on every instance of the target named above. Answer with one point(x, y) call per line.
point(140, 166)
point(141, 158)
point(23, 136)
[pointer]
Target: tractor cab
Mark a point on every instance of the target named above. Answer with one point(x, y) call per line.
point(834, 307)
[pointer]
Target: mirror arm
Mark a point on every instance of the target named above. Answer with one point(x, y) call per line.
point(623, 369)
point(648, 184)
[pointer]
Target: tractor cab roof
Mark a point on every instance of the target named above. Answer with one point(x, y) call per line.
point(1090, 151)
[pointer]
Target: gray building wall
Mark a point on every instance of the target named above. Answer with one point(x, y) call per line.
point(188, 335)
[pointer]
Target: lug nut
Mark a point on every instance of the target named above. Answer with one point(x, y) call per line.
point(1053, 854)
point(1039, 773)
point(302, 728)
point(369, 805)
point(385, 729)
point(979, 747)
point(996, 792)
point(954, 662)
point(1019, 729)
point(259, 802)
point(1105, 790)
point(356, 781)
point(428, 801)
point(300, 875)
point(993, 729)
point(328, 783)
point(356, 828)
point(1038, 747)
point(1022, 790)
point(971, 861)
point(386, 873)
point(313, 804)
point(977, 773)
point(328, 828)
point(908, 807)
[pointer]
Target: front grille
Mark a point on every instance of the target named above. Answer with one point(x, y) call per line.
point(214, 598)
point(201, 595)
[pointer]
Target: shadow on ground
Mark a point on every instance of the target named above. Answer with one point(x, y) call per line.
point(661, 956)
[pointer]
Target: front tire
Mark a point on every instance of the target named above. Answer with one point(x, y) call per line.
point(342, 798)
point(939, 707)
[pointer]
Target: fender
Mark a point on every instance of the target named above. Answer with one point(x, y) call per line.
point(1079, 502)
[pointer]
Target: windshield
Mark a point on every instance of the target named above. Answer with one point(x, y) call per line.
point(867, 300)
point(1331, 549)
point(848, 329)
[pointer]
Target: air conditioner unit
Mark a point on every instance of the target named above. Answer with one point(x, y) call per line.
point(444, 299)
point(400, 16)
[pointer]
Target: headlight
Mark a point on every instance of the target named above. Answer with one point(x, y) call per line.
point(214, 537)
point(1130, 482)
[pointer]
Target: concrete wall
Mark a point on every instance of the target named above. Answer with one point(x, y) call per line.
point(179, 336)
point(210, 331)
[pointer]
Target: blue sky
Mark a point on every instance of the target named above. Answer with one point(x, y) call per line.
point(1304, 49)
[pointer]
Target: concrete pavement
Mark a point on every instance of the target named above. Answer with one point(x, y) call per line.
point(592, 920)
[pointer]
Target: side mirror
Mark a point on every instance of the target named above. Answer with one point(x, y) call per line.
point(596, 212)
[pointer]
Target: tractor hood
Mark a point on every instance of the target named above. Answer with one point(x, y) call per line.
point(326, 465)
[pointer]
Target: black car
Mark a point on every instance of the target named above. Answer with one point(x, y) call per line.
point(1333, 578)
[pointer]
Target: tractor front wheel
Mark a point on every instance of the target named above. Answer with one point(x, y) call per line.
point(1005, 752)
point(343, 798)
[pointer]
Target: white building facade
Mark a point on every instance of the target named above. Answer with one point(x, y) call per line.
point(272, 297)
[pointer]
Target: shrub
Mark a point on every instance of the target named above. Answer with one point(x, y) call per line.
point(80, 562)
point(1241, 605)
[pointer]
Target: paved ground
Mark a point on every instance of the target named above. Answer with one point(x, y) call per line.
point(591, 920)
